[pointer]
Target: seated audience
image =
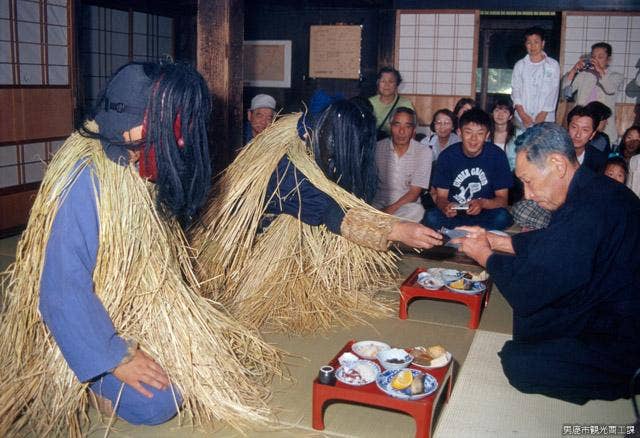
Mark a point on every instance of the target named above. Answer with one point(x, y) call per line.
point(472, 179)
point(463, 105)
point(387, 99)
point(602, 113)
point(582, 128)
point(535, 82)
point(630, 144)
point(573, 287)
point(259, 116)
point(404, 168)
point(503, 134)
point(443, 126)
point(591, 80)
point(616, 169)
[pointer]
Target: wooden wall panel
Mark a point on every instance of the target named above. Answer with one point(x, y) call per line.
point(28, 113)
point(14, 210)
point(220, 30)
point(626, 116)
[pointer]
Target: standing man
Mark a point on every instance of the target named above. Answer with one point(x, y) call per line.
point(259, 116)
point(573, 286)
point(472, 179)
point(404, 168)
point(592, 80)
point(535, 82)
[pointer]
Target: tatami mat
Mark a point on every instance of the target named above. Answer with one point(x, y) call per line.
point(484, 405)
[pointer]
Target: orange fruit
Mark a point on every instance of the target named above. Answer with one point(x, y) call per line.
point(402, 380)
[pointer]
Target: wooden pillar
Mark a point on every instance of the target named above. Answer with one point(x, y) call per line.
point(386, 38)
point(220, 34)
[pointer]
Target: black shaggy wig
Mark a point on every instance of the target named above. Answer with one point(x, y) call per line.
point(344, 147)
point(184, 172)
point(161, 93)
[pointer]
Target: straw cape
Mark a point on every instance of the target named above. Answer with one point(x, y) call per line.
point(291, 277)
point(144, 279)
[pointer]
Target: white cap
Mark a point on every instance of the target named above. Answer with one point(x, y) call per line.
point(263, 101)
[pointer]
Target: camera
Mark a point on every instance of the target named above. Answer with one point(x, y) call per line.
point(588, 65)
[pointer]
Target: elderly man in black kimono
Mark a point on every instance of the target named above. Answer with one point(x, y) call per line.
point(575, 286)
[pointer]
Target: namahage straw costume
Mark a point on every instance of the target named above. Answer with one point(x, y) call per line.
point(103, 263)
point(315, 265)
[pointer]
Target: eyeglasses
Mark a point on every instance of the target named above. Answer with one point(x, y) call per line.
point(443, 123)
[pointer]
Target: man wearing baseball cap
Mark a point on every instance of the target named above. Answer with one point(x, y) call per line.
point(260, 115)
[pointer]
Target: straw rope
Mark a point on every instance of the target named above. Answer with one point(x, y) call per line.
point(292, 277)
point(144, 279)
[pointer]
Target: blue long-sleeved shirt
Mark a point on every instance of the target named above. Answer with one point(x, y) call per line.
point(69, 305)
point(290, 192)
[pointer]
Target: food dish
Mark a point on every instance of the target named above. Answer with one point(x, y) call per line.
point(429, 281)
point(449, 275)
point(435, 356)
point(369, 349)
point(358, 373)
point(394, 359)
point(465, 286)
point(383, 381)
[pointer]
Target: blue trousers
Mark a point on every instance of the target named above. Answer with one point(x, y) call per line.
point(493, 219)
point(565, 368)
point(134, 407)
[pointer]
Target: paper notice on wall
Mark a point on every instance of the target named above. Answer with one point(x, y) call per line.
point(334, 51)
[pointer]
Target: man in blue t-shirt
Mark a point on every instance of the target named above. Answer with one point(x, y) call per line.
point(472, 179)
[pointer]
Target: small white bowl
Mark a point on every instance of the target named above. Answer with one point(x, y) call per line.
point(449, 275)
point(394, 359)
point(369, 349)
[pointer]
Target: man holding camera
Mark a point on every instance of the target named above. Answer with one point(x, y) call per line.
point(591, 80)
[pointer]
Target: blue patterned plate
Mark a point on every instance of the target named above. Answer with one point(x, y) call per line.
point(384, 383)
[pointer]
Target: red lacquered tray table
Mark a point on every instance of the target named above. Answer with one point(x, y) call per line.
point(410, 289)
point(421, 410)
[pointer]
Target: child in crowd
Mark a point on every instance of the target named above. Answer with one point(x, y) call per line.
point(616, 169)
